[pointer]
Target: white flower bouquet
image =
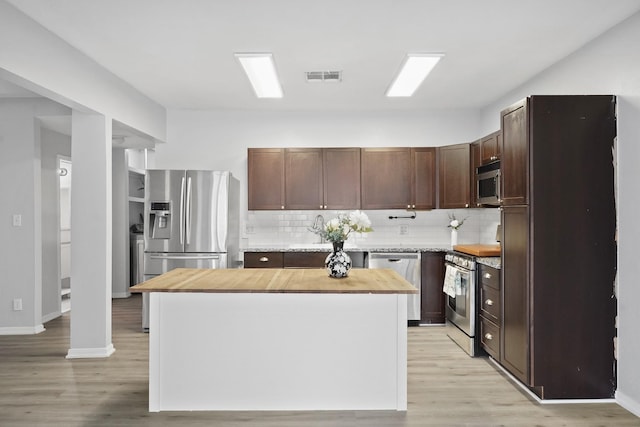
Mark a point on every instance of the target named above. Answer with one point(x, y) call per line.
point(454, 223)
point(339, 228)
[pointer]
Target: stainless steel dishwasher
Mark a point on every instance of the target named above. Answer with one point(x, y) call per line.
point(407, 264)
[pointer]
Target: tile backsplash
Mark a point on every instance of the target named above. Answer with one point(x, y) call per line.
point(428, 228)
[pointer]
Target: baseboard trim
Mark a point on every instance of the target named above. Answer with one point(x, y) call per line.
point(628, 403)
point(51, 316)
point(90, 353)
point(22, 330)
point(546, 401)
point(121, 295)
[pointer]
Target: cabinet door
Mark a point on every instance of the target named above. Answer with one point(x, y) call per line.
point(386, 178)
point(454, 178)
point(266, 178)
point(515, 291)
point(490, 150)
point(431, 296)
point(303, 178)
point(476, 160)
point(514, 166)
point(423, 178)
point(341, 175)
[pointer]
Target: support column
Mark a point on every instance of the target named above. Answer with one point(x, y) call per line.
point(91, 226)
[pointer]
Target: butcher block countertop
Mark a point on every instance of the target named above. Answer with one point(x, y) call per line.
point(478, 249)
point(276, 280)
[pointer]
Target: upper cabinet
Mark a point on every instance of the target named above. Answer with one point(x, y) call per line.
point(303, 178)
point(341, 178)
point(513, 164)
point(423, 178)
point(454, 176)
point(265, 178)
point(386, 178)
point(490, 149)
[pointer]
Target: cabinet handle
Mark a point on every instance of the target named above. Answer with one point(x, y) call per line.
point(282, 207)
point(408, 206)
point(489, 302)
point(488, 336)
point(466, 205)
point(494, 157)
point(487, 275)
point(325, 207)
point(320, 206)
point(264, 259)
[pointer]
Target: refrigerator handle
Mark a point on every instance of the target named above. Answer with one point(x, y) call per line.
point(182, 212)
point(188, 210)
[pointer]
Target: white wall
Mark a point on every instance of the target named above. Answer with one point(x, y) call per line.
point(608, 65)
point(52, 145)
point(34, 58)
point(20, 189)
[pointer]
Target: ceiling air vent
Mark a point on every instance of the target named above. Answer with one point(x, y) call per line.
point(324, 76)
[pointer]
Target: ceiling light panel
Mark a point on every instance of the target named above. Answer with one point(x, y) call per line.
point(414, 70)
point(261, 71)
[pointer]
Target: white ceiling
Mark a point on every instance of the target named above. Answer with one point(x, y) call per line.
point(180, 53)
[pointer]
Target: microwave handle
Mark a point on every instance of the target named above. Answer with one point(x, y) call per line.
point(498, 192)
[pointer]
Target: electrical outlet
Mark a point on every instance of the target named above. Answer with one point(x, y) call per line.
point(17, 220)
point(249, 229)
point(404, 229)
point(17, 304)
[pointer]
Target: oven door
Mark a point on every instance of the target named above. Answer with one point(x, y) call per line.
point(460, 309)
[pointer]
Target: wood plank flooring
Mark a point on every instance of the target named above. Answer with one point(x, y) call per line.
point(39, 387)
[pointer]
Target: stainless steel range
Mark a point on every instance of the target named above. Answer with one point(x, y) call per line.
point(461, 301)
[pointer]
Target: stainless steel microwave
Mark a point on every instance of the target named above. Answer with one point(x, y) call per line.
point(488, 184)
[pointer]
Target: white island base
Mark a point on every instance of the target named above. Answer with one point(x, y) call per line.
point(277, 351)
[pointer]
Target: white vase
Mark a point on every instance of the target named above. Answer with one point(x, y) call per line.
point(454, 237)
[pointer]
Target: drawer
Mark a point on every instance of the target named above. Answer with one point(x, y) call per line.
point(489, 276)
point(490, 303)
point(263, 260)
point(490, 337)
point(304, 259)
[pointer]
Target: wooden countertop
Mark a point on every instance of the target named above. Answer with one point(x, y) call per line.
point(277, 280)
point(478, 249)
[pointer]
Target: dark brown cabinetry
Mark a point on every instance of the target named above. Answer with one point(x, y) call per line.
point(476, 160)
point(263, 260)
point(514, 166)
point(558, 245)
point(490, 310)
point(303, 178)
point(490, 148)
point(265, 178)
point(423, 178)
point(431, 296)
point(454, 176)
point(386, 178)
point(341, 178)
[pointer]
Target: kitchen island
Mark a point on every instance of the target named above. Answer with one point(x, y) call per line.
point(277, 339)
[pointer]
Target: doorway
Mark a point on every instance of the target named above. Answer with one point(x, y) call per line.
point(64, 196)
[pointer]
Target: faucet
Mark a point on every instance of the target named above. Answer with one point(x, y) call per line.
point(318, 225)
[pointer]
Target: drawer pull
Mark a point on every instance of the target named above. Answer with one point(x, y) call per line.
point(264, 259)
point(487, 275)
point(489, 302)
point(488, 336)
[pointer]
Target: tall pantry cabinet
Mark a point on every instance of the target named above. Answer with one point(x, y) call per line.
point(558, 245)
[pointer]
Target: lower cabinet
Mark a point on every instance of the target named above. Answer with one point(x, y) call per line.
point(431, 296)
point(490, 310)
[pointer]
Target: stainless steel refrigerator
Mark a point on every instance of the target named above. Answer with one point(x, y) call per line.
point(191, 220)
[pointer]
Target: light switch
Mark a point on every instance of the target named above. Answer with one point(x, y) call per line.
point(17, 220)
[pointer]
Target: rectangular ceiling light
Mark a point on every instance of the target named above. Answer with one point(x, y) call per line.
point(415, 69)
point(262, 75)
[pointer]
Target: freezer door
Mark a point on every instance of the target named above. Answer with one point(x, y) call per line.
point(158, 263)
point(164, 232)
point(206, 211)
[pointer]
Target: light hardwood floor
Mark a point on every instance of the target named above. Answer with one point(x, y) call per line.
point(38, 386)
